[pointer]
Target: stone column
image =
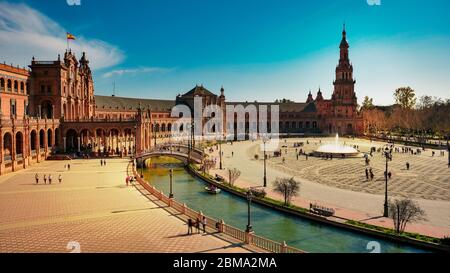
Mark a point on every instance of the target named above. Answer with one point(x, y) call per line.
point(64, 144)
point(79, 144)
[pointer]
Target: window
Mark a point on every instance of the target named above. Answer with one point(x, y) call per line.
point(25, 107)
point(49, 89)
point(42, 89)
point(13, 108)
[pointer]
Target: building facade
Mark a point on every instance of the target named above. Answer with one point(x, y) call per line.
point(51, 108)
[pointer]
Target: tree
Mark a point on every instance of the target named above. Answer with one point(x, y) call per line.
point(288, 187)
point(208, 164)
point(233, 175)
point(405, 97)
point(367, 103)
point(403, 212)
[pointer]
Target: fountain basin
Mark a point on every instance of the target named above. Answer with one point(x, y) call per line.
point(336, 150)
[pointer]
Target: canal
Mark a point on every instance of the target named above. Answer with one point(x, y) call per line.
point(301, 233)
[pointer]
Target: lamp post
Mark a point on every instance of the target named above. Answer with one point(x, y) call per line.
point(448, 150)
point(171, 181)
point(388, 156)
point(249, 202)
point(265, 157)
point(220, 154)
point(142, 168)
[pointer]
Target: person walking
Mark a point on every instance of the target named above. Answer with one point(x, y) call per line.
point(101, 162)
point(407, 166)
point(104, 162)
point(50, 179)
point(367, 174)
point(37, 178)
point(45, 179)
point(60, 178)
point(190, 224)
point(371, 174)
point(204, 224)
point(197, 225)
point(68, 167)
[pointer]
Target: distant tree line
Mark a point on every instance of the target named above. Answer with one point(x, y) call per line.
point(425, 116)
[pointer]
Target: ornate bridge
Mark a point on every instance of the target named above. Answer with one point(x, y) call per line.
point(179, 151)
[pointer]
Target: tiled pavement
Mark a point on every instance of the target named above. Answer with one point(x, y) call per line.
point(93, 207)
point(341, 183)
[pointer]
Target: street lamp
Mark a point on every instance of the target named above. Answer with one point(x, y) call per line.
point(220, 154)
point(171, 181)
point(249, 202)
point(448, 150)
point(388, 156)
point(265, 157)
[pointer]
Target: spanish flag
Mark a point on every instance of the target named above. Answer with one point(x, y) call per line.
point(70, 36)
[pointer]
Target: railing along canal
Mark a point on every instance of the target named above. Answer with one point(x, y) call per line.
point(220, 226)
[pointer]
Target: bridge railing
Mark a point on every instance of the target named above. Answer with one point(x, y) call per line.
point(220, 226)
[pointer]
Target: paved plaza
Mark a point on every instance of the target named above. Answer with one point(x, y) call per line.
point(342, 184)
point(93, 207)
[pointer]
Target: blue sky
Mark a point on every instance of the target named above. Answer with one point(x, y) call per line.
point(257, 49)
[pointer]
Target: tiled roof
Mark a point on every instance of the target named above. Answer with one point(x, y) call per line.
point(120, 103)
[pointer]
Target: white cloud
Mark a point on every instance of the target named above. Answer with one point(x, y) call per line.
point(25, 32)
point(135, 71)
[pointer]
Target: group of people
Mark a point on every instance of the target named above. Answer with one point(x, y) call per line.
point(48, 178)
point(191, 224)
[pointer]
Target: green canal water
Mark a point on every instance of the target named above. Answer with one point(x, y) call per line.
point(301, 233)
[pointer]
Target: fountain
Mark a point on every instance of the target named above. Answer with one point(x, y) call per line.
point(336, 150)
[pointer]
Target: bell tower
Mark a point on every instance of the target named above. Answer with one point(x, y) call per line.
point(344, 85)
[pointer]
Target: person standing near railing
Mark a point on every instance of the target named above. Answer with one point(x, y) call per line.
point(204, 224)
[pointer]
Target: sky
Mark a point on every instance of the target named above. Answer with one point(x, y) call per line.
point(256, 49)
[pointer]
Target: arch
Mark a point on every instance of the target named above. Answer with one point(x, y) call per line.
point(33, 136)
point(16, 86)
point(57, 131)
point(314, 124)
point(2, 83)
point(169, 127)
point(7, 146)
point(349, 129)
point(64, 110)
point(49, 137)
point(163, 127)
point(46, 109)
point(9, 85)
point(22, 87)
point(71, 140)
point(157, 127)
point(42, 138)
point(19, 144)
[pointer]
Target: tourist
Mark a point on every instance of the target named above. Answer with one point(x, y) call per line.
point(50, 179)
point(68, 167)
point(367, 174)
point(60, 178)
point(104, 162)
point(37, 178)
point(190, 224)
point(204, 224)
point(371, 174)
point(45, 179)
point(407, 166)
point(389, 175)
point(197, 225)
point(101, 162)
point(232, 154)
point(127, 180)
